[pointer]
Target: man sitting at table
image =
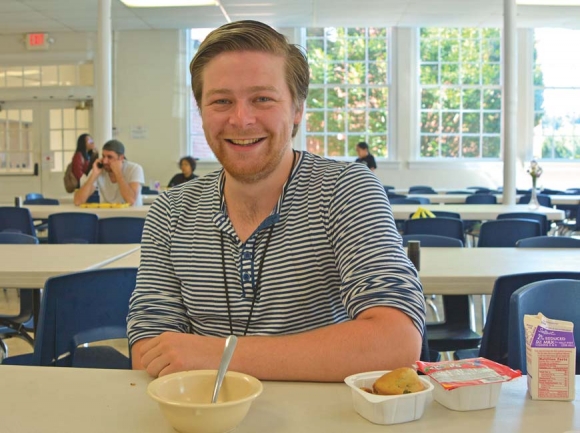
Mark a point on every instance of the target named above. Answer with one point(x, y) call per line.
point(280, 247)
point(117, 180)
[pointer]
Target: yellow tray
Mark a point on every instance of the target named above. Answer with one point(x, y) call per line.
point(104, 205)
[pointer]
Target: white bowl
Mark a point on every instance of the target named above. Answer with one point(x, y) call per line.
point(387, 409)
point(185, 400)
point(472, 397)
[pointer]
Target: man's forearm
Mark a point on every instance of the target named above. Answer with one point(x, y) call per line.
point(126, 191)
point(84, 192)
point(380, 339)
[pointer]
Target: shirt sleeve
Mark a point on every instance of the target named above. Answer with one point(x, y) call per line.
point(372, 162)
point(136, 175)
point(374, 268)
point(156, 304)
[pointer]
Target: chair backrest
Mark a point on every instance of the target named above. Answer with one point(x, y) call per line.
point(541, 218)
point(440, 226)
point(41, 201)
point(120, 230)
point(543, 199)
point(392, 195)
point(16, 220)
point(388, 187)
point(426, 191)
point(410, 200)
point(494, 342)
point(549, 242)
point(17, 238)
point(548, 191)
point(556, 299)
point(72, 228)
point(432, 241)
point(80, 308)
point(33, 196)
point(414, 188)
point(446, 214)
point(460, 192)
point(481, 199)
point(506, 232)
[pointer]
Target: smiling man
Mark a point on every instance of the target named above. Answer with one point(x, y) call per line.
point(117, 180)
point(279, 247)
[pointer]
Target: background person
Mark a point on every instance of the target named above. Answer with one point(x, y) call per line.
point(365, 157)
point(270, 248)
point(85, 154)
point(118, 180)
point(187, 165)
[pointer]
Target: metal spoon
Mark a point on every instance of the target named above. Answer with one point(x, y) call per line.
point(231, 342)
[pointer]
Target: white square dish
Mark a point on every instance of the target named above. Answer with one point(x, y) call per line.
point(387, 409)
point(473, 397)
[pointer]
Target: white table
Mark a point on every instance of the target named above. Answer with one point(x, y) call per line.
point(55, 400)
point(470, 271)
point(475, 211)
point(131, 260)
point(29, 266)
point(460, 198)
point(43, 211)
point(69, 199)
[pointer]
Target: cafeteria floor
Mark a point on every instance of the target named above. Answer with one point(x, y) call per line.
point(9, 305)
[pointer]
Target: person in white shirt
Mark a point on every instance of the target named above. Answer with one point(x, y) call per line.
point(117, 180)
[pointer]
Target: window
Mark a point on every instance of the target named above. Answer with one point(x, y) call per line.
point(556, 94)
point(197, 143)
point(349, 89)
point(16, 146)
point(66, 124)
point(46, 76)
point(460, 93)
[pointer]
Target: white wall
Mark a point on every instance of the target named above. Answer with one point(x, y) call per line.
point(150, 92)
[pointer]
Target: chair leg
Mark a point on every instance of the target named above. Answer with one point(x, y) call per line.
point(429, 301)
point(471, 313)
point(4, 350)
point(483, 310)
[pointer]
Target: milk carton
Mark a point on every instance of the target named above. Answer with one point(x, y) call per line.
point(550, 357)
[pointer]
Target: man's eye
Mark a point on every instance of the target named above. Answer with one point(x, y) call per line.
point(263, 99)
point(221, 101)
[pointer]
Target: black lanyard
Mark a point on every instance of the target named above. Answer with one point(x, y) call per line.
point(260, 265)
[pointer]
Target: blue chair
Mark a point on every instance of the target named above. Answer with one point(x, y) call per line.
point(388, 188)
point(120, 230)
point(393, 195)
point(17, 220)
point(548, 191)
point(481, 199)
point(413, 189)
point(549, 242)
point(504, 233)
point(440, 226)
point(79, 308)
point(72, 228)
point(410, 200)
point(33, 196)
point(17, 325)
point(494, 343)
point(544, 200)
point(556, 299)
point(446, 214)
point(460, 192)
point(541, 218)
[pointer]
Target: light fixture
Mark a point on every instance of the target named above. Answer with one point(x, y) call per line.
point(168, 3)
point(548, 2)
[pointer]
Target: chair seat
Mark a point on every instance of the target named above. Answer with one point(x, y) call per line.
point(466, 354)
point(445, 338)
point(100, 357)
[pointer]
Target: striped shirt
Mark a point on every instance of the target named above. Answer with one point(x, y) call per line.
point(333, 252)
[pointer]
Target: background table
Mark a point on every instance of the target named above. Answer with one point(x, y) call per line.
point(29, 266)
point(51, 400)
point(463, 271)
point(43, 211)
point(69, 199)
point(475, 211)
point(460, 198)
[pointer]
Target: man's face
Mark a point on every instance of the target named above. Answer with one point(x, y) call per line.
point(248, 113)
point(108, 157)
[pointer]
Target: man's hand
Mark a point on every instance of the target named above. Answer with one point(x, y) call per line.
point(96, 169)
point(117, 168)
point(171, 352)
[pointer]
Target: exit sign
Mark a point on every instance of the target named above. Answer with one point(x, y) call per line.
point(37, 41)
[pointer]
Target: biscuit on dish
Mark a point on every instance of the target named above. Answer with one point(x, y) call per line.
point(402, 380)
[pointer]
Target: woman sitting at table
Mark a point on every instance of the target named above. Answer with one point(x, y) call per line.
point(187, 165)
point(84, 156)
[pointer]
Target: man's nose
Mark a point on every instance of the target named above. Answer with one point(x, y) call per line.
point(243, 114)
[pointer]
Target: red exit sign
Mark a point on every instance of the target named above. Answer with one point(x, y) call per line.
point(37, 41)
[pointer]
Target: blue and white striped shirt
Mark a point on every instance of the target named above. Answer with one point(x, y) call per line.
point(334, 252)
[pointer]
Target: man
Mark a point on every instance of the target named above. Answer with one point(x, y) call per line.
point(365, 156)
point(118, 180)
point(280, 247)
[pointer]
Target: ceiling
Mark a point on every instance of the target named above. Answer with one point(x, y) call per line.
point(24, 16)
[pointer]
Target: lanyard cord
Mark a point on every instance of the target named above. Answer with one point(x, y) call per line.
point(260, 266)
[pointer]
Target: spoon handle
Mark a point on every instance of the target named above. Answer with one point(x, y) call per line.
point(231, 342)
